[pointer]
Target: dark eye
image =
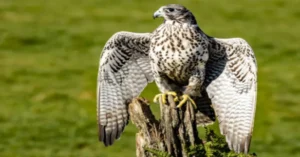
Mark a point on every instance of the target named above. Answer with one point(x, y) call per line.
point(170, 9)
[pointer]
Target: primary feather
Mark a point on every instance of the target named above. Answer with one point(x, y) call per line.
point(123, 73)
point(231, 84)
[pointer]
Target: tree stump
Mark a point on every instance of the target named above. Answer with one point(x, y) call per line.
point(173, 135)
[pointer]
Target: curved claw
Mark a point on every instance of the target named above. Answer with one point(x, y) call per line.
point(164, 97)
point(186, 98)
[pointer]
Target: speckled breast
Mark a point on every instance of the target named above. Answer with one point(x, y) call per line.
point(176, 51)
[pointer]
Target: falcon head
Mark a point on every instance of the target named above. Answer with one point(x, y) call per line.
point(175, 12)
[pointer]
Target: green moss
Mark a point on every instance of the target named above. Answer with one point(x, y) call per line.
point(216, 145)
point(213, 146)
point(157, 153)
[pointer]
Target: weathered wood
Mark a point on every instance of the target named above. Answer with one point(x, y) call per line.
point(172, 135)
point(149, 135)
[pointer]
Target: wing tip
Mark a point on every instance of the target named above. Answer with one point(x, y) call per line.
point(239, 145)
point(109, 136)
point(105, 136)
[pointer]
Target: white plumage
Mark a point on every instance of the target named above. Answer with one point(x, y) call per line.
point(180, 57)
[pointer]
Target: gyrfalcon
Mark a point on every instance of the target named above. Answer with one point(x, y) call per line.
point(186, 63)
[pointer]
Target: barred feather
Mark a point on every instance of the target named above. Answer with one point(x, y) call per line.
point(231, 85)
point(205, 114)
point(123, 73)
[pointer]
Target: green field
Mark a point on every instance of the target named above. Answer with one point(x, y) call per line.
point(49, 54)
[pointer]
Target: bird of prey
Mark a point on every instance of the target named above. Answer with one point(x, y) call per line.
point(186, 63)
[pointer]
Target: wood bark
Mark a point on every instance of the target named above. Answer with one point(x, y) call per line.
point(172, 135)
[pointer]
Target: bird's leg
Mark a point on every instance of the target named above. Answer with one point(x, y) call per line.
point(163, 97)
point(193, 89)
point(166, 87)
point(184, 99)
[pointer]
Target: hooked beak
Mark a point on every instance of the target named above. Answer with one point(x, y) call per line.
point(158, 13)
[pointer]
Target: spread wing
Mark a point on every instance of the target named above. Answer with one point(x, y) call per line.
point(231, 85)
point(123, 74)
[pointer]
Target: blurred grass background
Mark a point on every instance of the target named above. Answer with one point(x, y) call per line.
point(49, 54)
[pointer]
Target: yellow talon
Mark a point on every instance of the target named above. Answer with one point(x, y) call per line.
point(156, 98)
point(164, 97)
point(186, 98)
